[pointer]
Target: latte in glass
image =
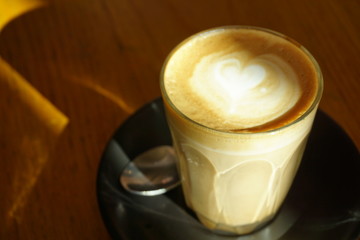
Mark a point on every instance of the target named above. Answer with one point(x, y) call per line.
point(240, 103)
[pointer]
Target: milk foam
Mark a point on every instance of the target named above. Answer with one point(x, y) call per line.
point(246, 91)
point(224, 81)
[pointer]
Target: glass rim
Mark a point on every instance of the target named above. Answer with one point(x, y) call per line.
point(314, 104)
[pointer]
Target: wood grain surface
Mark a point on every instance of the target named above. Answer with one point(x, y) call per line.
point(72, 71)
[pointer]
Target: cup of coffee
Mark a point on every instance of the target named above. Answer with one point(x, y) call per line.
point(240, 102)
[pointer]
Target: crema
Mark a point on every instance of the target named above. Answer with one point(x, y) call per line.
point(241, 80)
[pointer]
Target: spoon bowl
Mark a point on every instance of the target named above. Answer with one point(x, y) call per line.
point(151, 173)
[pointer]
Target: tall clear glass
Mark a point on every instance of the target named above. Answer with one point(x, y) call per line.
point(236, 181)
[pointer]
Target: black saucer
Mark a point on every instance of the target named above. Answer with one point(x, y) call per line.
point(323, 203)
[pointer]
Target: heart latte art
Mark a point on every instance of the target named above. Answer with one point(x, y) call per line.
point(246, 91)
point(224, 81)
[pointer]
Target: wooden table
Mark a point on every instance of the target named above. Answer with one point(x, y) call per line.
point(72, 71)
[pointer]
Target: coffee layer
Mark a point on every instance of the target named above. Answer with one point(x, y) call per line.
point(240, 80)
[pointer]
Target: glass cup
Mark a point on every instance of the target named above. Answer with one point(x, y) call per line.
point(236, 181)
